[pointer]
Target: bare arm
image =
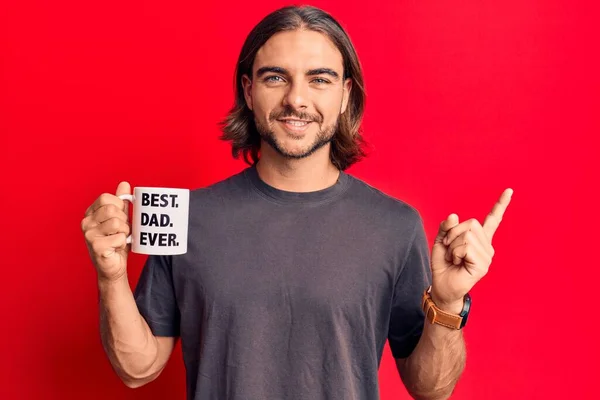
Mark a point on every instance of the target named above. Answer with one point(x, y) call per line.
point(137, 356)
point(461, 256)
point(435, 365)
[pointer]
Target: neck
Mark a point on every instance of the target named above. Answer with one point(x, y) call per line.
point(315, 172)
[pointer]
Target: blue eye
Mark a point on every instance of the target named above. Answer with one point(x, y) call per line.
point(269, 78)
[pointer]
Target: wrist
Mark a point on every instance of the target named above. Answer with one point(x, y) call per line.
point(449, 307)
point(104, 282)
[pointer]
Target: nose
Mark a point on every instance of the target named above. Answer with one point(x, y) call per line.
point(296, 95)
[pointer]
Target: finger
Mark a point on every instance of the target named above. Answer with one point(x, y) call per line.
point(109, 211)
point(473, 226)
point(124, 188)
point(459, 253)
point(104, 199)
point(459, 229)
point(454, 248)
point(102, 214)
point(113, 226)
point(106, 246)
point(463, 254)
point(471, 240)
point(470, 255)
point(462, 247)
point(493, 219)
point(445, 226)
point(110, 227)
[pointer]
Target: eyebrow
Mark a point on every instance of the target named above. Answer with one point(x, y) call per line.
point(279, 70)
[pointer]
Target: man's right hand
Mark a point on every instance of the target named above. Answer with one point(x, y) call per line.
point(105, 228)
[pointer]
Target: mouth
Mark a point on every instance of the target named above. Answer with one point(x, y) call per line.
point(295, 125)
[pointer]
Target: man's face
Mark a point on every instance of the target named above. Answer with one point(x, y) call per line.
point(297, 92)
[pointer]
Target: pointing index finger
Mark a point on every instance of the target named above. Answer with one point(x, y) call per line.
point(493, 219)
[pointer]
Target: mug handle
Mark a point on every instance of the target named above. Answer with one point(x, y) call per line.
point(129, 198)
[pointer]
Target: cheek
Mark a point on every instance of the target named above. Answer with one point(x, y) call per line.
point(260, 114)
point(329, 106)
point(265, 102)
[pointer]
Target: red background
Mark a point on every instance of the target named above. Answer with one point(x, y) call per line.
point(464, 100)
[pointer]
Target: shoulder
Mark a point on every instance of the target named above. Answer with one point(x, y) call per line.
point(230, 187)
point(377, 202)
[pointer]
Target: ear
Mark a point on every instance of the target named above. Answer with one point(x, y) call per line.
point(247, 86)
point(346, 94)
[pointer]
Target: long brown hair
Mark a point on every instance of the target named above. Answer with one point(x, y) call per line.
point(348, 145)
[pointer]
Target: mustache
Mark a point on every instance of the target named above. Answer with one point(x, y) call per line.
point(275, 115)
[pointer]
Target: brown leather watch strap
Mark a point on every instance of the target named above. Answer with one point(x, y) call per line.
point(437, 316)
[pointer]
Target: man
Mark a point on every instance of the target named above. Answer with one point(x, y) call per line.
point(296, 272)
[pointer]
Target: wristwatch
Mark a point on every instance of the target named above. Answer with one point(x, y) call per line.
point(437, 316)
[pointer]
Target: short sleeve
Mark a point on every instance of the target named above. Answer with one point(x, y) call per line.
point(407, 317)
point(155, 296)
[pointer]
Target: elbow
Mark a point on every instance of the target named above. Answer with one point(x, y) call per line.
point(436, 396)
point(440, 394)
point(134, 381)
point(133, 384)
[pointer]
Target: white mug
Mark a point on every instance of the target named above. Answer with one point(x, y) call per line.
point(159, 220)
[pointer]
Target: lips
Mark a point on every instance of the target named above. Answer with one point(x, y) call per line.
point(295, 125)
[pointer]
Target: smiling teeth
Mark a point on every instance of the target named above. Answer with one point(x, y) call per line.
point(296, 123)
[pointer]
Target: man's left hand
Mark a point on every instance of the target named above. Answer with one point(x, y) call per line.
point(462, 254)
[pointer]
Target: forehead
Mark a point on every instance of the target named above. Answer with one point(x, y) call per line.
point(299, 50)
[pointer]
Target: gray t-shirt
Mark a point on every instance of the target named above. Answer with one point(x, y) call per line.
point(287, 295)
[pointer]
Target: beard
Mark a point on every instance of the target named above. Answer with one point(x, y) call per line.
point(323, 137)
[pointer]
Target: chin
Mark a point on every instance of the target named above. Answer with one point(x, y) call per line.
point(293, 142)
point(297, 153)
point(299, 149)
point(293, 150)
point(294, 145)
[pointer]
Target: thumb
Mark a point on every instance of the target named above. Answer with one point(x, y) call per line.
point(445, 226)
point(124, 188)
